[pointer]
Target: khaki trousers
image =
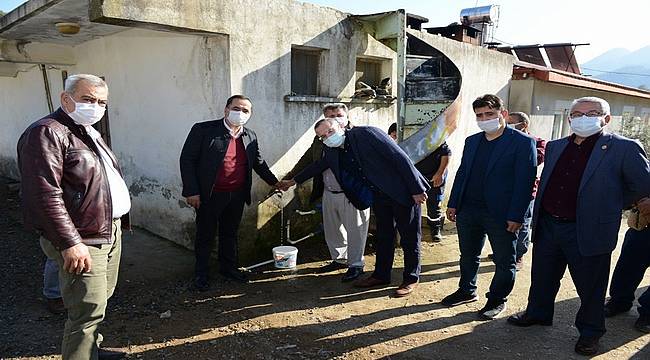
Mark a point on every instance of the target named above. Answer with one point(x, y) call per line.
point(85, 295)
point(346, 229)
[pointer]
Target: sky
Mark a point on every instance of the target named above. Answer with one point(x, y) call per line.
point(603, 24)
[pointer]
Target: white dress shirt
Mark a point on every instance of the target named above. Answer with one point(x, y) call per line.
point(119, 192)
point(233, 133)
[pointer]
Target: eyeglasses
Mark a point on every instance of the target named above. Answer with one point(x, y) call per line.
point(592, 113)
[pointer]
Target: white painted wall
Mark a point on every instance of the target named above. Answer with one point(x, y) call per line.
point(161, 83)
point(483, 72)
point(22, 101)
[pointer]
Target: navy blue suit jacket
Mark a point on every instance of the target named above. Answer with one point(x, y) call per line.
point(616, 176)
point(382, 162)
point(509, 177)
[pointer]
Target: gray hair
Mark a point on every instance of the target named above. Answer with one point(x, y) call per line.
point(321, 121)
point(522, 116)
point(604, 105)
point(334, 106)
point(72, 82)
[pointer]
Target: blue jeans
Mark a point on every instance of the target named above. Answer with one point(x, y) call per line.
point(51, 288)
point(629, 271)
point(523, 237)
point(473, 225)
point(556, 247)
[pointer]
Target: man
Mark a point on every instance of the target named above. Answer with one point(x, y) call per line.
point(629, 271)
point(216, 168)
point(521, 122)
point(345, 227)
point(490, 195)
point(588, 179)
point(434, 168)
point(373, 170)
point(74, 196)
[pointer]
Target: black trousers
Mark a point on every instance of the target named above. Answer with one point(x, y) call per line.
point(391, 216)
point(555, 248)
point(222, 212)
point(434, 212)
point(630, 269)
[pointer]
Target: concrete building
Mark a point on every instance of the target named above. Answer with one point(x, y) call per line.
point(546, 94)
point(171, 63)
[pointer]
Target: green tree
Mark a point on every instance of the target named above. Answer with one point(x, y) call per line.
point(2, 13)
point(634, 127)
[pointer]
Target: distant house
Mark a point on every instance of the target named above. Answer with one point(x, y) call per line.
point(546, 78)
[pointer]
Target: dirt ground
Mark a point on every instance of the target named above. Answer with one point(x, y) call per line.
point(286, 315)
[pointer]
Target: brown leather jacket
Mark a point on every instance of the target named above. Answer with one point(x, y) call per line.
point(65, 191)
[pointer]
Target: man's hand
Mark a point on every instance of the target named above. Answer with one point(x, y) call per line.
point(420, 198)
point(644, 206)
point(194, 201)
point(284, 185)
point(76, 259)
point(436, 180)
point(451, 214)
point(513, 226)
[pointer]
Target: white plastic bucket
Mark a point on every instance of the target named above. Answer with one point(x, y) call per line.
point(285, 257)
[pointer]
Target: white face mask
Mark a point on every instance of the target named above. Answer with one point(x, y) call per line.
point(489, 126)
point(335, 140)
point(86, 114)
point(238, 118)
point(585, 126)
point(342, 120)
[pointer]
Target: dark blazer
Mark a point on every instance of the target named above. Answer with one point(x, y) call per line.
point(616, 176)
point(509, 177)
point(203, 153)
point(382, 162)
point(313, 154)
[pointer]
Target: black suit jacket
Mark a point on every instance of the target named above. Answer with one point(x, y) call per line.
point(203, 153)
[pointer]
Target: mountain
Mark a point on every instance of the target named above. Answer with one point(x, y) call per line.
point(608, 60)
point(622, 66)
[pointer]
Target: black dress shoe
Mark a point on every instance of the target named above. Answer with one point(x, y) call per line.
point(55, 306)
point(587, 345)
point(352, 274)
point(523, 320)
point(613, 309)
point(333, 266)
point(643, 324)
point(235, 275)
point(201, 283)
point(104, 354)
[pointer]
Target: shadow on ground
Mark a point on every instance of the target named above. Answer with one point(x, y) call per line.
point(285, 314)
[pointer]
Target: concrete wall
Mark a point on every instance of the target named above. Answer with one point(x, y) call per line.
point(162, 82)
point(483, 71)
point(22, 101)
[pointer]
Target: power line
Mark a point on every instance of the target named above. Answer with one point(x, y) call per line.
point(616, 72)
point(502, 41)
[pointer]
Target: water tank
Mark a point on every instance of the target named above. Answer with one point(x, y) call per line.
point(481, 14)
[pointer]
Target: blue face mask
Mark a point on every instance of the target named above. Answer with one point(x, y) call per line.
point(335, 140)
